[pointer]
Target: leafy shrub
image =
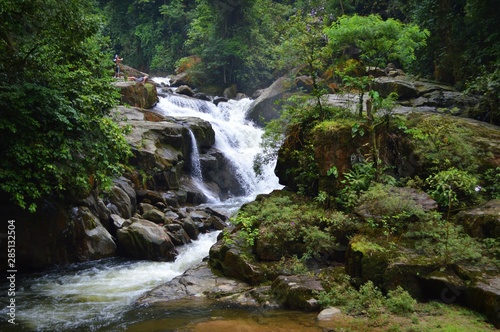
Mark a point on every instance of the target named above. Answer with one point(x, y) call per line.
point(293, 224)
point(357, 180)
point(400, 301)
point(368, 300)
point(445, 242)
point(441, 143)
point(452, 188)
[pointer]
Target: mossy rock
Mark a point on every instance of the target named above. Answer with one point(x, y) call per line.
point(138, 94)
point(297, 292)
point(366, 260)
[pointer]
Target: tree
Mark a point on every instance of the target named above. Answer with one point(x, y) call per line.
point(55, 93)
point(375, 42)
point(235, 40)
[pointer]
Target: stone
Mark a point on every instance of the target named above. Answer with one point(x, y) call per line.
point(297, 292)
point(154, 215)
point(143, 239)
point(197, 282)
point(137, 94)
point(119, 202)
point(329, 313)
point(264, 108)
point(483, 221)
point(185, 90)
point(92, 240)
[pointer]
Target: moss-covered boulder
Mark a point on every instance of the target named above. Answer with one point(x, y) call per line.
point(234, 260)
point(297, 292)
point(142, 95)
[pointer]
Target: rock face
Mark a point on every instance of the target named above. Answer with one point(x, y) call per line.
point(162, 148)
point(57, 234)
point(483, 221)
point(297, 292)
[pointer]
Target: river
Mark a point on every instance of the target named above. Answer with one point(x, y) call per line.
point(100, 295)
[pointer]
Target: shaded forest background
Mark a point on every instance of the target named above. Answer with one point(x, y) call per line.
point(235, 41)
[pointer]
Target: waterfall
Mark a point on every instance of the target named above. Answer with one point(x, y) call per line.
point(235, 136)
point(196, 173)
point(195, 158)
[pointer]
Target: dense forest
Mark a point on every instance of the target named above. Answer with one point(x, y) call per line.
point(55, 60)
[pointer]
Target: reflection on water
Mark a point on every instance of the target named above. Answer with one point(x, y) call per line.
point(218, 319)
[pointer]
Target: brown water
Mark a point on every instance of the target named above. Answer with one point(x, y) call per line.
point(232, 319)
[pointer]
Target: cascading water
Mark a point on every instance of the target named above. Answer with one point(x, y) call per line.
point(196, 172)
point(236, 137)
point(94, 295)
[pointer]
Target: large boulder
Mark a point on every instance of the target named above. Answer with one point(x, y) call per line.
point(141, 95)
point(297, 292)
point(143, 239)
point(265, 108)
point(92, 240)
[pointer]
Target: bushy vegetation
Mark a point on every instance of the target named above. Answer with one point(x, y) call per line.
point(55, 95)
point(294, 225)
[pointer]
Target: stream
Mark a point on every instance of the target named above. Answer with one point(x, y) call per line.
point(100, 295)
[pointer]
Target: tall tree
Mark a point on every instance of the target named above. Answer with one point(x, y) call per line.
point(55, 93)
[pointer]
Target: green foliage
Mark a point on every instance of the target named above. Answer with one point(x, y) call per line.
point(55, 93)
point(294, 225)
point(446, 243)
point(357, 180)
point(452, 188)
point(400, 301)
point(441, 143)
point(380, 41)
point(235, 40)
point(491, 180)
point(393, 210)
point(368, 300)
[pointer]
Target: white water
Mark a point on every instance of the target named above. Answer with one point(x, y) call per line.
point(88, 296)
point(196, 172)
point(236, 137)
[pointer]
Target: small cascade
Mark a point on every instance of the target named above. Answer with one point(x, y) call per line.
point(195, 158)
point(196, 173)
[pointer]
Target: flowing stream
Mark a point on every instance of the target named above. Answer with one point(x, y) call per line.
point(99, 295)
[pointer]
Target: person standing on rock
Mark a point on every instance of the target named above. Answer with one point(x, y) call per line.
point(117, 61)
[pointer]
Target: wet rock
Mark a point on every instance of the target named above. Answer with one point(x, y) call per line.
point(297, 292)
point(190, 227)
point(185, 90)
point(119, 202)
point(138, 94)
point(92, 240)
point(232, 262)
point(179, 237)
point(264, 108)
point(483, 221)
point(143, 239)
point(197, 282)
